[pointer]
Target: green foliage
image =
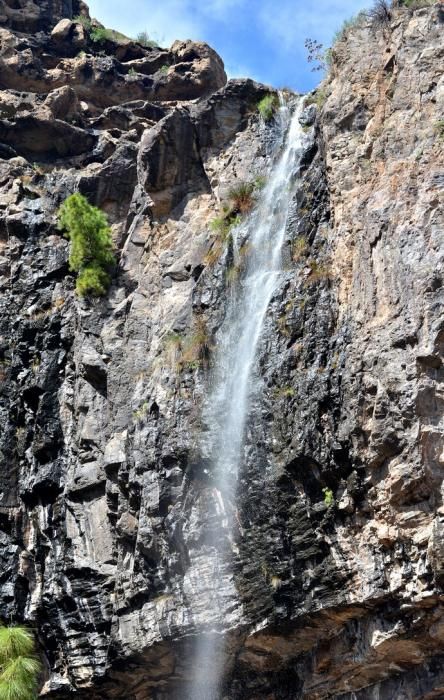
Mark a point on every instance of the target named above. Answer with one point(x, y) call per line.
point(221, 226)
point(92, 280)
point(439, 128)
point(140, 413)
point(144, 39)
point(91, 245)
point(259, 182)
point(416, 4)
point(329, 498)
point(19, 668)
point(284, 392)
point(164, 69)
point(318, 97)
point(196, 346)
point(15, 641)
point(85, 21)
point(299, 248)
point(189, 351)
point(132, 71)
point(267, 107)
point(99, 35)
point(241, 197)
point(318, 272)
point(348, 24)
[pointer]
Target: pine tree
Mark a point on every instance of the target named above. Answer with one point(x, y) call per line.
point(91, 253)
point(19, 667)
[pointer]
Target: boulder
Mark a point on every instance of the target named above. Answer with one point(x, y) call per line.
point(62, 29)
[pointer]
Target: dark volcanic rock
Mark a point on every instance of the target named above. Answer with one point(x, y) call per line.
point(331, 585)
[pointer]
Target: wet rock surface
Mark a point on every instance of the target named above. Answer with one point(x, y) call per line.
point(333, 586)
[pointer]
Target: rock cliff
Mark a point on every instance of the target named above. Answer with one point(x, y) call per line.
point(334, 587)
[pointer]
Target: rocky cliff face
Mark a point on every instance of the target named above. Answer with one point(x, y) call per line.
point(106, 496)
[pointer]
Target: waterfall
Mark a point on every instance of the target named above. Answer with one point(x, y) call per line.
point(234, 381)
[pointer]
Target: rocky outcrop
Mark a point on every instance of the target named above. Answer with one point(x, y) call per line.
point(334, 583)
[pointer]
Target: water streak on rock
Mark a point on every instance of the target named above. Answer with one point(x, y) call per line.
point(258, 243)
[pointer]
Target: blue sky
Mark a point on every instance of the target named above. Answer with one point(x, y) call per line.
point(260, 39)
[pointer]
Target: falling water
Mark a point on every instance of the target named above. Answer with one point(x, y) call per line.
point(263, 234)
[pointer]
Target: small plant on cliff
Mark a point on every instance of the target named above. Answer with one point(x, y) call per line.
point(101, 34)
point(299, 248)
point(356, 21)
point(91, 245)
point(144, 39)
point(196, 346)
point(329, 498)
point(19, 667)
point(221, 229)
point(439, 128)
point(380, 13)
point(84, 21)
point(241, 197)
point(318, 97)
point(319, 57)
point(416, 4)
point(267, 107)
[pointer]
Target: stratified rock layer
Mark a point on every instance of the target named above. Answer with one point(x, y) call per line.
point(334, 583)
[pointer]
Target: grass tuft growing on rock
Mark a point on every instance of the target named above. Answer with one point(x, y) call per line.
point(299, 248)
point(268, 106)
point(241, 197)
point(99, 35)
point(439, 128)
point(329, 498)
point(417, 4)
point(84, 21)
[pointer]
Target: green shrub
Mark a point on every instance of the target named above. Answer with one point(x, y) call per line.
point(144, 39)
point(268, 106)
point(241, 197)
point(101, 34)
point(259, 182)
point(196, 347)
point(329, 498)
point(221, 227)
point(190, 351)
point(347, 25)
point(132, 71)
point(318, 97)
point(284, 392)
point(318, 272)
point(416, 4)
point(19, 667)
point(439, 128)
point(85, 21)
point(91, 245)
point(300, 248)
point(163, 70)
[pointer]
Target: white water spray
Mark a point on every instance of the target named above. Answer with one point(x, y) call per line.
point(263, 233)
